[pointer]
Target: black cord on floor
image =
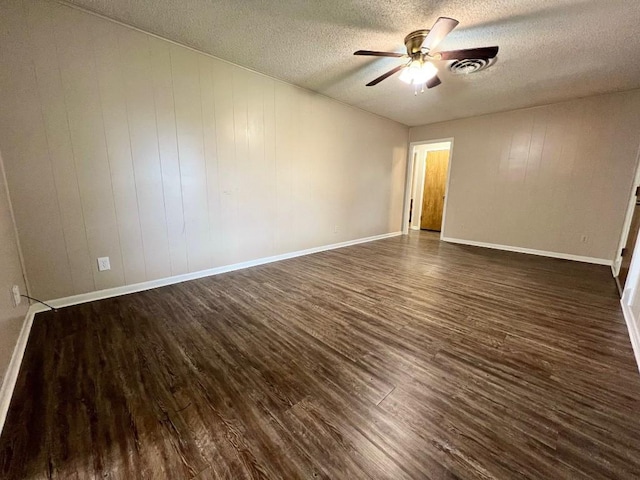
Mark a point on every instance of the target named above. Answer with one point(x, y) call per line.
point(40, 301)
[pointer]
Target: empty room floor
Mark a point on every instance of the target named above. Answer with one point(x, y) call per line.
point(401, 358)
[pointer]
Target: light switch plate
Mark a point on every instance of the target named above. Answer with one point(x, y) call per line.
point(103, 264)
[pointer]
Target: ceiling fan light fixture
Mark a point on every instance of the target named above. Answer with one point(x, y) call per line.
point(421, 44)
point(418, 72)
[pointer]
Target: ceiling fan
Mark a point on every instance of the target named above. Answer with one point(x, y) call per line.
point(420, 70)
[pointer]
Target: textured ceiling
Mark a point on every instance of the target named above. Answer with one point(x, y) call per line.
point(550, 50)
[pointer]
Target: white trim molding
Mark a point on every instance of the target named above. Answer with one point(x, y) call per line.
point(409, 180)
point(531, 251)
point(633, 326)
point(139, 287)
point(9, 382)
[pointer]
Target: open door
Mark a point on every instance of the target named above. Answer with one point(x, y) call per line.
point(435, 184)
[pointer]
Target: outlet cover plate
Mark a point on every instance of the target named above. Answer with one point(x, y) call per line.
point(103, 264)
point(15, 292)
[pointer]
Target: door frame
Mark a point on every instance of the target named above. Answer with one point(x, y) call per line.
point(615, 267)
point(409, 182)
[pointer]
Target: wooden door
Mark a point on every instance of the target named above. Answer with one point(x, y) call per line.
point(435, 180)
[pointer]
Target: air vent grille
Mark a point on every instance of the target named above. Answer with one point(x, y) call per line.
point(471, 65)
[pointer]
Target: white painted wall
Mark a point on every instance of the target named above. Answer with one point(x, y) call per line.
point(11, 318)
point(541, 178)
point(169, 161)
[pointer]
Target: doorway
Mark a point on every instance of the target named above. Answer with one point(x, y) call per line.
point(630, 245)
point(428, 176)
point(629, 239)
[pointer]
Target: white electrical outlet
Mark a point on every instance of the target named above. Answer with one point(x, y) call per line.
point(103, 264)
point(15, 292)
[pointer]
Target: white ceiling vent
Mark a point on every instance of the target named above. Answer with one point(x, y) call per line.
point(471, 65)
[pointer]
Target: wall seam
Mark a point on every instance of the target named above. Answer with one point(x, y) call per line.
point(164, 197)
point(204, 159)
point(175, 116)
point(133, 170)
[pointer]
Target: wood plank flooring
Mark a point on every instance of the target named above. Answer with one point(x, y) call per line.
point(402, 358)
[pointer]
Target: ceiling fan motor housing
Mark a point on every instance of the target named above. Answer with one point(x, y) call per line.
point(414, 41)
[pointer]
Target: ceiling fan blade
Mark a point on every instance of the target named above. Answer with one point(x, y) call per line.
point(380, 54)
point(469, 53)
point(386, 75)
point(433, 82)
point(440, 29)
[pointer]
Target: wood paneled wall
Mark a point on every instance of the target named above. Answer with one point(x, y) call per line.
point(10, 274)
point(169, 161)
point(542, 178)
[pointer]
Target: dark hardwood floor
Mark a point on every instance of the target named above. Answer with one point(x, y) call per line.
point(402, 358)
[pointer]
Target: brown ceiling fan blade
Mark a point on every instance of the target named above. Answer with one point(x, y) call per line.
point(386, 75)
point(371, 53)
point(469, 53)
point(433, 82)
point(440, 29)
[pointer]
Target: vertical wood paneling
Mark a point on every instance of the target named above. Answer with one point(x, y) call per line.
point(307, 194)
point(59, 145)
point(82, 95)
point(322, 158)
point(243, 202)
point(255, 203)
point(533, 191)
point(362, 202)
point(337, 188)
point(25, 152)
point(168, 149)
point(542, 178)
point(207, 99)
point(225, 236)
point(398, 171)
point(138, 74)
point(286, 128)
point(186, 82)
point(270, 162)
point(116, 129)
point(169, 161)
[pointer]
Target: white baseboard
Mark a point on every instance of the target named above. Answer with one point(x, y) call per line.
point(9, 383)
point(615, 266)
point(139, 287)
point(531, 251)
point(633, 326)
